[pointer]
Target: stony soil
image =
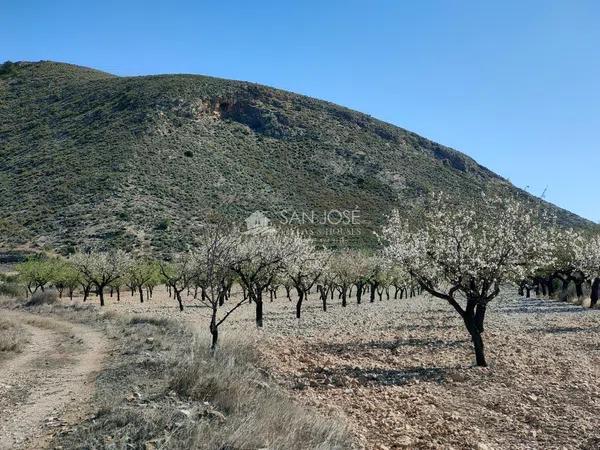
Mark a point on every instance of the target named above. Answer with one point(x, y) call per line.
point(402, 370)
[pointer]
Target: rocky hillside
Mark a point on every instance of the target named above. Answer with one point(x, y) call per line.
point(142, 162)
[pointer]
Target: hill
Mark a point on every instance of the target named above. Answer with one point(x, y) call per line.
point(88, 158)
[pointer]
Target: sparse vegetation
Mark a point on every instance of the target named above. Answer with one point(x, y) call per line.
point(165, 389)
point(13, 337)
point(75, 140)
point(43, 298)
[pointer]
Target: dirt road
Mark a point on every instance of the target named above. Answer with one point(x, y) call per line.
point(50, 383)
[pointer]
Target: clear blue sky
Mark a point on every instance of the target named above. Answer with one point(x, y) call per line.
point(514, 84)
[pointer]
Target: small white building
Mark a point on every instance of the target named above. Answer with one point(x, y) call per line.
point(257, 220)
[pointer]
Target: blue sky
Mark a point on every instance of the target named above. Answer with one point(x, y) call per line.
point(514, 84)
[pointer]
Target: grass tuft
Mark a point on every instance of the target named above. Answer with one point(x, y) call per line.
point(13, 336)
point(49, 297)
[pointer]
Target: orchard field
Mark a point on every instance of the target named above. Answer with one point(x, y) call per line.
point(464, 329)
point(401, 371)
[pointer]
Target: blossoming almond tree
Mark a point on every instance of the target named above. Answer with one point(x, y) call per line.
point(591, 266)
point(304, 265)
point(212, 260)
point(463, 254)
point(259, 258)
point(101, 268)
point(178, 274)
point(141, 272)
point(343, 272)
point(567, 247)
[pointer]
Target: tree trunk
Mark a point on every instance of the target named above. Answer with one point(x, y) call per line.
point(100, 293)
point(565, 290)
point(474, 331)
point(299, 302)
point(480, 316)
point(359, 291)
point(479, 349)
point(259, 312)
point(178, 297)
point(595, 292)
point(141, 291)
point(372, 290)
point(118, 294)
point(549, 282)
point(544, 288)
point(343, 293)
point(579, 289)
point(214, 331)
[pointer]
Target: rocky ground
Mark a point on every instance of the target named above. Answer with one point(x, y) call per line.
point(402, 372)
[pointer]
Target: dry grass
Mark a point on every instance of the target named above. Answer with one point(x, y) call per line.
point(162, 389)
point(48, 297)
point(254, 412)
point(13, 336)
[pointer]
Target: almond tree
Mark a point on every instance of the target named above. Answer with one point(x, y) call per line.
point(463, 255)
point(178, 274)
point(596, 282)
point(213, 259)
point(590, 265)
point(142, 272)
point(374, 277)
point(400, 279)
point(303, 265)
point(101, 268)
point(343, 274)
point(116, 285)
point(360, 269)
point(70, 278)
point(37, 272)
point(64, 276)
point(326, 282)
point(259, 257)
point(568, 250)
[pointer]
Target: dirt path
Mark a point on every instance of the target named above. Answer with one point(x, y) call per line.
point(49, 384)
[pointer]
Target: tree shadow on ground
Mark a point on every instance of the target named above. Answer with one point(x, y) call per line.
point(428, 327)
point(377, 376)
point(564, 330)
point(540, 306)
point(355, 348)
